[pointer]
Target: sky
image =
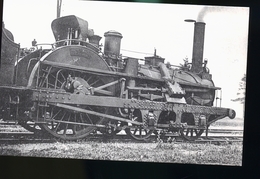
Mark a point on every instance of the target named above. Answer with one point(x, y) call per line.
point(149, 26)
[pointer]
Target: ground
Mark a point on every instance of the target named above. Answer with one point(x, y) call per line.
point(221, 154)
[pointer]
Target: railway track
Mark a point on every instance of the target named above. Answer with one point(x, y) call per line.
point(23, 137)
point(10, 133)
point(215, 136)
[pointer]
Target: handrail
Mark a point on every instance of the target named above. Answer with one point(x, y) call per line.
point(77, 40)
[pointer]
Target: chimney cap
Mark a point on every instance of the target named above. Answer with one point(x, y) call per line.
point(189, 20)
point(113, 33)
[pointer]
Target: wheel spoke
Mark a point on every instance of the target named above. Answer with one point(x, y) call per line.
point(88, 79)
point(65, 130)
point(145, 131)
point(135, 131)
point(52, 125)
point(196, 131)
point(58, 124)
point(187, 132)
point(89, 119)
point(63, 76)
point(94, 82)
point(60, 82)
point(57, 114)
point(74, 126)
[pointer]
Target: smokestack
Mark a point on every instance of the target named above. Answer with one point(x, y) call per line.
point(112, 43)
point(198, 46)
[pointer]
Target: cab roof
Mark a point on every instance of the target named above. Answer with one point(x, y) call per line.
point(60, 26)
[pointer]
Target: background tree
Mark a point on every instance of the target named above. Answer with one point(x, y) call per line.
point(241, 91)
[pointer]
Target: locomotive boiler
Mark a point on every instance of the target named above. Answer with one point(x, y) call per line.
point(75, 89)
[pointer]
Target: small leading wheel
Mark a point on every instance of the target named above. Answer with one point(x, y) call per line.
point(70, 125)
point(191, 134)
point(138, 132)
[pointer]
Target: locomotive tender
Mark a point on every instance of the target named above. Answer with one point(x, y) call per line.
point(74, 89)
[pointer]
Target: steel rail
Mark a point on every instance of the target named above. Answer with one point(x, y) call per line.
point(23, 137)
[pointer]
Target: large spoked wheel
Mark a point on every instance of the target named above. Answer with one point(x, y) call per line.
point(138, 132)
point(70, 125)
point(190, 134)
point(64, 123)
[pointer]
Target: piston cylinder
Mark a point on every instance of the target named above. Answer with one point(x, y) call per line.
point(112, 43)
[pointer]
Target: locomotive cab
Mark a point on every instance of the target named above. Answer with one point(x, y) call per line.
point(72, 30)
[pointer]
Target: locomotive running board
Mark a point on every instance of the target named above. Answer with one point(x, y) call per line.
point(96, 113)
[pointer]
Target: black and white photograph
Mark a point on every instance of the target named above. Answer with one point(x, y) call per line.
point(123, 81)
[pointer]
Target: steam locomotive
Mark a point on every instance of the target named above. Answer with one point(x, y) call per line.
point(75, 89)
